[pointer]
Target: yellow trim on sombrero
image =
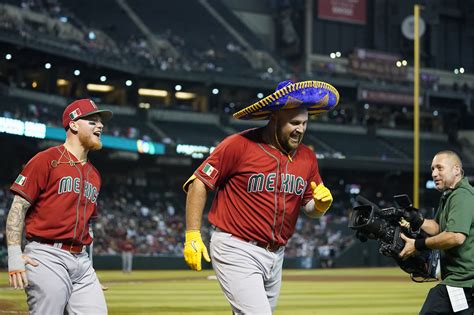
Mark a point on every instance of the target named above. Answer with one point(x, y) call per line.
point(282, 92)
point(261, 113)
point(292, 102)
point(316, 111)
point(322, 102)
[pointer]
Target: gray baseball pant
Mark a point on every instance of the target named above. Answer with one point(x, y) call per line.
point(62, 282)
point(249, 275)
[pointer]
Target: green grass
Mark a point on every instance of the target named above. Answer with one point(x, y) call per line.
point(331, 292)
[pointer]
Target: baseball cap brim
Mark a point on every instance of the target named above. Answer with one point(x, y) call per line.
point(104, 114)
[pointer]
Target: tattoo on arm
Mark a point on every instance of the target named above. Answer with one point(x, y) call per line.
point(16, 220)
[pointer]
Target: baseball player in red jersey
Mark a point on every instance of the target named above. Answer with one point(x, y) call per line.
point(262, 178)
point(55, 197)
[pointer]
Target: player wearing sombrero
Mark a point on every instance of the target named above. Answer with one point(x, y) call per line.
point(262, 178)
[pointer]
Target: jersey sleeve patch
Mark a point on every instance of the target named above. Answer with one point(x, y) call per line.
point(210, 171)
point(20, 180)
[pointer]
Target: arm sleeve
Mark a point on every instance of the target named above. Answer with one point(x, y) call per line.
point(222, 162)
point(460, 217)
point(313, 177)
point(33, 178)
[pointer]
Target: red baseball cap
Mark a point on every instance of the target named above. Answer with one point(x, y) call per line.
point(83, 108)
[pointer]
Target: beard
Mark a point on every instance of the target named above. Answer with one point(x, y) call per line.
point(286, 141)
point(90, 142)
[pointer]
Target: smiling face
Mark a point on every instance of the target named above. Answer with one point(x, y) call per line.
point(290, 127)
point(446, 170)
point(89, 130)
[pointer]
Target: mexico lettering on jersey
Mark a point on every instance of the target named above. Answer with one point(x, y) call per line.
point(290, 184)
point(68, 184)
point(63, 197)
point(259, 191)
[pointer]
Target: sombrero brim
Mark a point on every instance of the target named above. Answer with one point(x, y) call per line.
point(318, 97)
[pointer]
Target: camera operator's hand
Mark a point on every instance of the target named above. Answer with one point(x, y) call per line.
point(409, 248)
point(414, 217)
point(404, 223)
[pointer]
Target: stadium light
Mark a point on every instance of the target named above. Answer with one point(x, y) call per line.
point(178, 87)
point(77, 72)
point(99, 87)
point(8, 56)
point(128, 83)
point(184, 95)
point(47, 65)
point(152, 92)
point(435, 113)
point(92, 36)
point(144, 105)
point(34, 84)
point(215, 91)
point(103, 78)
point(456, 71)
point(332, 55)
point(260, 95)
point(461, 70)
point(338, 54)
point(62, 82)
point(270, 70)
point(399, 63)
point(404, 63)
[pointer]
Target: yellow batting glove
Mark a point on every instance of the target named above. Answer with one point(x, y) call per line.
point(322, 197)
point(194, 249)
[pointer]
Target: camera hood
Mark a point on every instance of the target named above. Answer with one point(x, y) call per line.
point(361, 216)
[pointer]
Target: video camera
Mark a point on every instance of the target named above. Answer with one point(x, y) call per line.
point(371, 222)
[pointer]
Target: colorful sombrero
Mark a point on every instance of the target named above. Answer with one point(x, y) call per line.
point(318, 97)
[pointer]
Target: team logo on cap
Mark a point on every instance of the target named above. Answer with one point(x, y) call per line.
point(93, 104)
point(75, 113)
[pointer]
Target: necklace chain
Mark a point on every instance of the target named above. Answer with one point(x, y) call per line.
point(70, 161)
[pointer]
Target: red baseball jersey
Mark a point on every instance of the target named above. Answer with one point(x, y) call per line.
point(259, 191)
point(63, 196)
point(127, 246)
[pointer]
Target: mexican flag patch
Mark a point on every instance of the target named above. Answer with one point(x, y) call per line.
point(210, 171)
point(75, 113)
point(20, 180)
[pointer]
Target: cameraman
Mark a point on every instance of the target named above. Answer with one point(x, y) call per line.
point(452, 231)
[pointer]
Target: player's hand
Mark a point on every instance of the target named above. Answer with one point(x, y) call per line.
point(409, 248)
point(16, 267)
point(322, 197)
point(194, 249)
